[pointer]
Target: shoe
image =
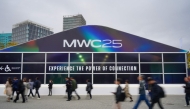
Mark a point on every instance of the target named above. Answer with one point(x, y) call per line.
point(23, 102)
point(68, 100)
point(48, 95)
point(186, 105)
point(14, 101)
point(78, 98)
point(38, 98)
point(11, 98)
point(131, 101)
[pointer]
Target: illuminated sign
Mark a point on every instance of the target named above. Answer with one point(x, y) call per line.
point(107, 43)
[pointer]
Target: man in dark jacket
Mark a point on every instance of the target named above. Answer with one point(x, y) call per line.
point(142, 93)
point(155, 91)
point(37, 85)
point(69, 88)
point(15, 86)
point(74, 87)
point(187, 90)
point(118, 93)
point(20, 90)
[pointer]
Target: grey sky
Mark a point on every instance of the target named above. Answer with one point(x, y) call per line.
point(165, 21)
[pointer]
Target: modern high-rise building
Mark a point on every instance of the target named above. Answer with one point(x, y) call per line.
point(29, 30)
point(73, 21)
point(5, 38)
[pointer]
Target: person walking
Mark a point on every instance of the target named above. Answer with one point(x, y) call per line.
point(27, 87)
point(74, 87)
point(37, 86)
point(126, 89)
point(142, 93)
point(8, 89)
point(50, 86)
point(68, 85)
point(149, 87)
point(89, 88)
point(21, 89)
point(31, 85)
point(155, 93)
point(118, 94)
point(14, 86)
point(187, 90)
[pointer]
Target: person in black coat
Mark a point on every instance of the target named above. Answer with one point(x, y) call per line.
point(118, 93)
point(50, 86)
point(155, 93)
point(20, 90)
point(69, 88)
point(187, 90)
point(89, 87)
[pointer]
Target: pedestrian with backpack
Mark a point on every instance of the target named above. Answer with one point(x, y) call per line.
point(21, 89)
point(142, 93)
point(37, 86)
point(157, 93)
point(27, 87)
point(74, 87)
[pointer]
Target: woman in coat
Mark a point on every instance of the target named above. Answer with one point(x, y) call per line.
point(126, 89)
point(89, 88)
point(8, 89)
point(26, 84)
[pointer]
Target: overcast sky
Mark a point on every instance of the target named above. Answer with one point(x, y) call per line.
point(164, 21)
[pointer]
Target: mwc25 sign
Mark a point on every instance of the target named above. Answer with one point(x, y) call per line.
point(107, 43)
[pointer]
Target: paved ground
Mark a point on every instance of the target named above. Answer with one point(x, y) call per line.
point(98, 102)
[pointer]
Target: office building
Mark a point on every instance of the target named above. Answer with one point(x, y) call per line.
point(29, 30)
point(73, 21)
point(100, 54)
point(5, 38)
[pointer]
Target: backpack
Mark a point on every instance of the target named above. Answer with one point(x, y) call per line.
point(161, 92)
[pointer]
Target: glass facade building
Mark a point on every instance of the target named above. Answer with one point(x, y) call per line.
point(94, 52)
point(70, 22)
point(5, 38)
point(29, 30)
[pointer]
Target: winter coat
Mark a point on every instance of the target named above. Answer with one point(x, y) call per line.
point(27, 86)
point(155, 92)
point(31, 84)
point(89, 86)
point(118, 93)
point(15, 84)
point(8, 87)
point(142, 87)
point(50, 86)
point(187, 87)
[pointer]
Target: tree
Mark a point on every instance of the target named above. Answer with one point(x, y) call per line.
point(2, 46)
point(10, 44)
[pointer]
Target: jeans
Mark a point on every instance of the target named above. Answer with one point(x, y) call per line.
point(31, 93)
point(75, 93)
point(69, 93)
point(50, 91)
point(22, 94)
point(89, 92)
point(142, 97)
point(37, 92)
point(159, 103)
point(187, 96)
point(14, 90)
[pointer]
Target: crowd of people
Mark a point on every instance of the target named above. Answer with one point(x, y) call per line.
point(25, 87)
point(155, 92)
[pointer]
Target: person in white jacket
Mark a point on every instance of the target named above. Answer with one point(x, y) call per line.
point(26, 84)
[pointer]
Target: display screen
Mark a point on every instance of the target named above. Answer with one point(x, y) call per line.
point(151, 68)
point(153, 57)
point(81, 78)
point(56, 78)
point(104, 57)
point(80, 57)
point(174, 78)
point(175, 68)
point(104, 78)
point(127, 57)
point(132, 78)
point(180, 57)
point(57, 57)
point(33, 68)
point(34, 57)
point(10, 57)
